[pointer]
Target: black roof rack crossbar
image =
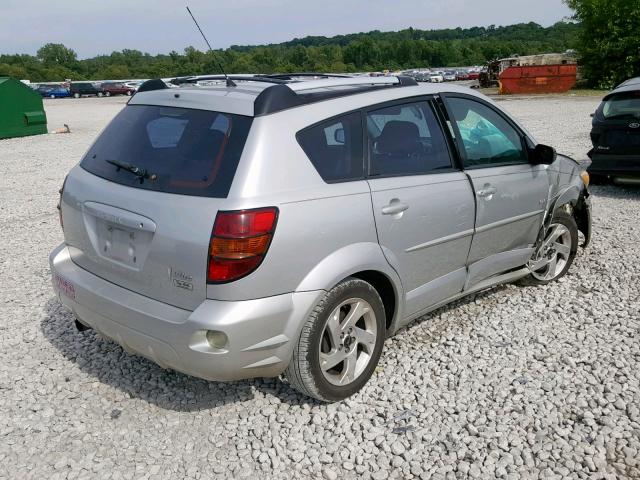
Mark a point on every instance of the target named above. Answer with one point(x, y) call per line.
point(153, 84)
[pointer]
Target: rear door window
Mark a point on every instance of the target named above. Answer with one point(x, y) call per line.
point(189, 152)
point(406, 140)
point(335, 148)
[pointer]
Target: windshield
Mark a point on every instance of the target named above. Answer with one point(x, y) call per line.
point(622, 105)
point(183, 151)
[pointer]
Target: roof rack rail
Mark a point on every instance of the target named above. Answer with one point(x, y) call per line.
point(293, 94)
point(291, 76)
point(351, 81)
point(241, 78)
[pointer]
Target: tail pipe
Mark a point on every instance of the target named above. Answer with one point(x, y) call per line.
point(81, 327)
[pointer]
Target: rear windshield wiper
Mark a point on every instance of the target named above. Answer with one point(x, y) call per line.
point(141, 173)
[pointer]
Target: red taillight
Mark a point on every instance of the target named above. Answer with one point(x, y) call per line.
point(239, 242)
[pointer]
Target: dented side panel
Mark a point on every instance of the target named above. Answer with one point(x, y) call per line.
point(567, 188)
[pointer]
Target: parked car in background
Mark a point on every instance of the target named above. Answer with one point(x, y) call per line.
point(449, 76)
point(117, 88)
point(473, 75)
point(436, 77)
point(134, 85)
point(615, 133)
point(86, 89)
point(193, 200)
point(420, 76)
point(53, 91)
point(460, 75)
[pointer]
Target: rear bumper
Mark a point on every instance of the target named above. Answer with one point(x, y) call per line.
point(623, 165)
point(261, 333)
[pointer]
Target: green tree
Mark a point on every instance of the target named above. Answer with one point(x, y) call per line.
point(57, 54)
point(114, 72)
point(14, 71)
point(609, 42)
point(375, 50)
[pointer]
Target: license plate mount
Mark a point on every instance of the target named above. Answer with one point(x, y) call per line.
point(119, 244)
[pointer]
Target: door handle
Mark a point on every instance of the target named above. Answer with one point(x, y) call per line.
point(395, 207)
point(487, 191)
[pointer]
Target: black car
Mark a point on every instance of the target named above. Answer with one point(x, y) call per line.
point(616, 133)
point(79, 89)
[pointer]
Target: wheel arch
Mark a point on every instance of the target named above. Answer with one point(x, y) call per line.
point(576, 198)
point(366, 262)
point(384, 287)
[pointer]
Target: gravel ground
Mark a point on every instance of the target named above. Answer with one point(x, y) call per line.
point(511, 383)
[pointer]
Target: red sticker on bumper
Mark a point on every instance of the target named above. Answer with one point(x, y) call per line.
point(65, 287)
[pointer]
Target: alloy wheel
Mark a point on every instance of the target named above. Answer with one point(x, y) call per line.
point(553, 254)
point(347, 341)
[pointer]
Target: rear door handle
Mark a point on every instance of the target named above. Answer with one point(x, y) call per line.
point(395, 207)
point(487, 191)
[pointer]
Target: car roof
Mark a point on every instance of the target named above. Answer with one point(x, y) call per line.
point(262, 95)
point(631, 85)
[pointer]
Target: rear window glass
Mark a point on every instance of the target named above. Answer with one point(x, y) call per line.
point(178, 150)
point(622, 105)
point(335, 148)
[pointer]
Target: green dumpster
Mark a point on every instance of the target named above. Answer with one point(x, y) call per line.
point(21, 110)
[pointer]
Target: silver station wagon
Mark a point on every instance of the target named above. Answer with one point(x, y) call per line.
point(287, 224)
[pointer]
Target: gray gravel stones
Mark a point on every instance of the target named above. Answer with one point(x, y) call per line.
point(514, 383)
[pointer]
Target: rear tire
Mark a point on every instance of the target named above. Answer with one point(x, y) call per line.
point(340, 343)
point(108, 94)
point(557, 252)
point(99, 94)
point(76, 95)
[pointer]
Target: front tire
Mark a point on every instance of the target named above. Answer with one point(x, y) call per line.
point(554, 257)
point(340, 343)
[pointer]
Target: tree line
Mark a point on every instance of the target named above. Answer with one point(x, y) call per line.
point(608, 40)
point(371, 51)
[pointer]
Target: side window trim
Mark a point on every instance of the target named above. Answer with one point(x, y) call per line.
point(444, 120)
point(428, 100)
point(458, 137)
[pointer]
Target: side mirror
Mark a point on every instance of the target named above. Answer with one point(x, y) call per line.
point(338, 136)
point(543, 155)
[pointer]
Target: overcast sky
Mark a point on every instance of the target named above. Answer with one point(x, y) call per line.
point(92, 27)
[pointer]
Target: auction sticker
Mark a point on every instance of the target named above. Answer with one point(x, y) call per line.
point(65, 287)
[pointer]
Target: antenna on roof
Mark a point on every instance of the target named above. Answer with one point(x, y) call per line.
point(230, 82)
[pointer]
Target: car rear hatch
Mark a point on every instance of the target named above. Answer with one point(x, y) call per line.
point(139, 209)
point(617, 126)
point(620, 139)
